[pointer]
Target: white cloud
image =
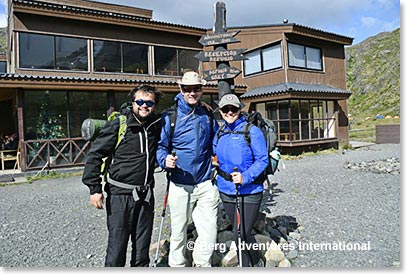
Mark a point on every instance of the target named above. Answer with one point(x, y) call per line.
point(3, 20)
point(369, 21)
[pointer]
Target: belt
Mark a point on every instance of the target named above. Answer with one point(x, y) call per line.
point(135, 189)
point(225, 175)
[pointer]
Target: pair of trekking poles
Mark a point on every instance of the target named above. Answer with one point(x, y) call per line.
point(239, 238)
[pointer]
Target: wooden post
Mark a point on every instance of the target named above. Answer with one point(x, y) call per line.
point(225, 85)
point(20, 117)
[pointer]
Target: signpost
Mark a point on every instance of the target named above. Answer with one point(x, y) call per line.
point(223, 73)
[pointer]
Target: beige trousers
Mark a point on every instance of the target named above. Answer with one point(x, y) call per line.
point(201, 203)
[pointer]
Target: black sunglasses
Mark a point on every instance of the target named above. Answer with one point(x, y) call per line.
point(141, 102)
point(226, 109)
point(189, 89)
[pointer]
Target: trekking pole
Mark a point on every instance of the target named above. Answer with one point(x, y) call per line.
point(238, 222)
point(163, 214)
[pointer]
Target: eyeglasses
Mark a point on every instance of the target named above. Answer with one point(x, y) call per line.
point(226, 109)
point(141, 102)
point(189, 89)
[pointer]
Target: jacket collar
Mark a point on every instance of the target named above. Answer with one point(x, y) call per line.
point(236, 123)
point(183, 106)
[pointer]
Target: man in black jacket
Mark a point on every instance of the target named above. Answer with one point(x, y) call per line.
point(129, 181)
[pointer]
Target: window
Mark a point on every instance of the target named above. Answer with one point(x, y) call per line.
point(302, 119)
point(71, 53)
point(3, 67)
point(36, 51)
point(263, 59)
point(107, 56)
point(39, 51)
point(59, 114)
point(304, 57)
point(120, 57)
point(174, 62)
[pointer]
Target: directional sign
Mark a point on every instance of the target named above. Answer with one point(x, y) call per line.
point(221, 55)
point(219, 38)
point(220, 74)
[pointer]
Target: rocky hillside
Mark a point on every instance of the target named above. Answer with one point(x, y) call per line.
point(373, 75)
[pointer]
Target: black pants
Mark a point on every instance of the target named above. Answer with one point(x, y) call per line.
point(248, 216)
point(127, 218)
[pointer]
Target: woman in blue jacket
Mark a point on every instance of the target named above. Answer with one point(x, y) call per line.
point(240, 167)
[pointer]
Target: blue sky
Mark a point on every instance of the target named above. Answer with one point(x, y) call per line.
point(358, 19)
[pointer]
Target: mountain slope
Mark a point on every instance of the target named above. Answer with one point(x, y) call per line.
point(373, 75)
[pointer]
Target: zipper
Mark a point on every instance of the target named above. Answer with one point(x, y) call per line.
point(147, 150)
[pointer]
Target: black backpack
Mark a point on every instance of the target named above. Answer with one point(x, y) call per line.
point(269, 132)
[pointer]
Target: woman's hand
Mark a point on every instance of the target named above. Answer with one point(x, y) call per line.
point(237, 177)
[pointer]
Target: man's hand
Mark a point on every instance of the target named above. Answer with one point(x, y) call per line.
point(97, 200)
point(171, 161)
point(237, 177)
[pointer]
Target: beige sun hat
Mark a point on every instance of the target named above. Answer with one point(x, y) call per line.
point(191, 78)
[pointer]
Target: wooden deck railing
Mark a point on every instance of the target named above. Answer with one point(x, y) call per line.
point(56, 153)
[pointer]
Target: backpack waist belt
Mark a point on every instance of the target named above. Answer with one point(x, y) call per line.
point(225, 175)
point(135, 189)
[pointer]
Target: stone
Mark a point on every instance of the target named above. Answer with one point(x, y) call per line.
point(274, 255)
point(230, 259)
point(284, 263)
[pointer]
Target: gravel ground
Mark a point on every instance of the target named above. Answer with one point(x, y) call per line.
point(50, 223)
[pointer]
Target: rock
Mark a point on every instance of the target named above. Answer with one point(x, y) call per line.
point(292, 254)
point(274, 255)
point(225, 236)
point(284, 263)
point(294, 235)
point(230, 259)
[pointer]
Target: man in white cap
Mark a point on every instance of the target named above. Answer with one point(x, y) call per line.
point(191, 192)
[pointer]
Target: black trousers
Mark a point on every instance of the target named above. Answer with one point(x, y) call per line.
point(129, 219)
point(248, 216)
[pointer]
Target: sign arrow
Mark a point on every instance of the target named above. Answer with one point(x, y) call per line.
point(220, 74)
point(218, 38)
point(221, 55)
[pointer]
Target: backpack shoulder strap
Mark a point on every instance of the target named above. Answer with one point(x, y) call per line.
point(246, 133)
point(122, 129)
point(211, 118)
point(172, 115)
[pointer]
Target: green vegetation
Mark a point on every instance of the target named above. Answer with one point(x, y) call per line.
point(52, 175)
point(373, 76)
point(365, 130)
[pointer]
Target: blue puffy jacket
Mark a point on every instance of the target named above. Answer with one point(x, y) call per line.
point(232, 151)
point(192, 143)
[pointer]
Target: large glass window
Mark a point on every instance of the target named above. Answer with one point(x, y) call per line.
point(300, 56)
point(135, 58)
point(59, 114)
point(120, 57)
point(39, 51)
point(71, 53)
point(264, 59)
point(83, 105)
point(174, 62)
point(36, 51)
point(107, 56)
point(302, 119)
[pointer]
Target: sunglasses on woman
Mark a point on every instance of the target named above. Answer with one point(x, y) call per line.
point(141, 102)
point(226, 109)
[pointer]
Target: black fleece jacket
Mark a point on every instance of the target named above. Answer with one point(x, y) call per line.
point(134, 159)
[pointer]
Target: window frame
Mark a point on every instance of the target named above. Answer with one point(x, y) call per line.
point(261, 51)
point(305, 58)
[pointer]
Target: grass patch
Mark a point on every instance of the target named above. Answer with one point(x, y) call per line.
point(52, 175)
point(365, 130)
point(308, 154)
